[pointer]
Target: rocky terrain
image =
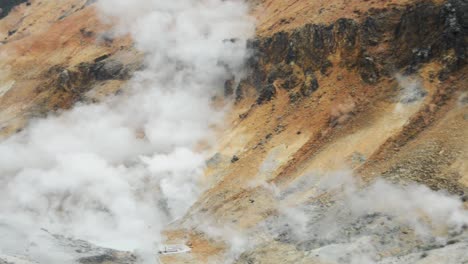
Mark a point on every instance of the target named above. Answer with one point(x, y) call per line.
point(376, 92)
point(73, 54)
point(346, 141)
point(73, 251)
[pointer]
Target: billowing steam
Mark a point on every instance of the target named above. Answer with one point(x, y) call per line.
point(336, 218)
point(116, 172)
point(343, 220)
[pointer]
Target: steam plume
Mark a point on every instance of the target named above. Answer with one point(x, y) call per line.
point(86, 173)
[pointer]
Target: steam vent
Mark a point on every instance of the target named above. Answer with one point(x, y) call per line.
point(233, 132)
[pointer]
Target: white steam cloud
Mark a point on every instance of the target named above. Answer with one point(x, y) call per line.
point(89, 173)
point(343, 220)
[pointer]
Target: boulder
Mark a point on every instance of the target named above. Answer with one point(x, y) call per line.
point(109, 69)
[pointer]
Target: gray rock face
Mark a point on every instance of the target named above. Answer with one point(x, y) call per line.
point(15, 260)
point(229, 87)
point(87, 253)
point(90, 2)
point(109, 69)
point(344, 239)
point(71, 251)
point(81, 78)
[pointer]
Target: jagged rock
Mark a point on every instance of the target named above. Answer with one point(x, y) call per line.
point(347, 30)
point(229, 87)
point(370, 33)
point(427, 30)
point(291, 82)
point(455, 29)
point(420, 55)
point(415, 34)
point(266, 94)
point(104, 69)
point(240, 90)
point(310, 85)
point(368, 70)
point(108, 69)
point(312, 44)
point(418, 27)
point(291, 54)
point(73, 250)
point(87, 253)
point(12, 32)
point(234, 159)
point(326, 65)
point(279, 71)
point(64, 80)
point(294, 97)
point(80, 78)
point(277, 44)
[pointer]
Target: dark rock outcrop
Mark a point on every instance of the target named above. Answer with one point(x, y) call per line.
point(310, 85)
point(291, 82)
point(109, 69)
point(229, 87)
point(407, 37)
point(80, 78)
point(266, 94)
point(7, 5)
point(240, 90)
point(368, 69)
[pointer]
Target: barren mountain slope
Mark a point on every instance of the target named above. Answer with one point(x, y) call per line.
point(377, 89)
point(52, 54)
point(339, 93)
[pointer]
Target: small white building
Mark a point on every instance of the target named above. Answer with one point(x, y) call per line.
point(173, 249)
